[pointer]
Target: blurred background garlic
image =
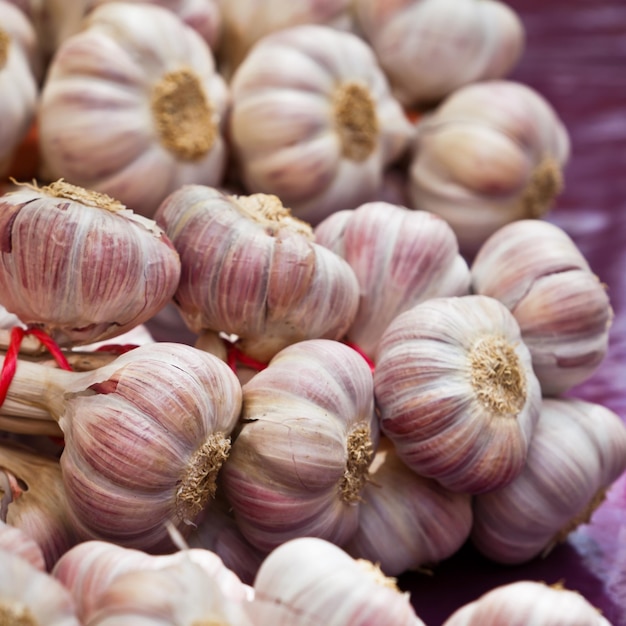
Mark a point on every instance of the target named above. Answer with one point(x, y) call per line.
point(250, 269)
point(400, 257)
point(313, 121)
point(429, 48)
point(301, 457)
point(456, 392)
point(528, 602)
point(536, 270)
point(578, 450)
point(153, 78)
point(490, 153)
point(407, 522)
point(16, 541)
point(19, 90)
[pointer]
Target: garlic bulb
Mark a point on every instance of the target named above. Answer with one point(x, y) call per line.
point(528, 602)
point(456, 392)
point(301, 457)
point(247, 21)
point(30, 596)
point(153, 78)
point(489, 154)
point(250, 269)
point(16, 541)
point(310, 581)
point(564, 311)
point(578, 450)
point(145, 437)
point(406, 521)
point(313, 120)
point(19, 90)
point(428, 54)
point(400, 257)
point(80, 266)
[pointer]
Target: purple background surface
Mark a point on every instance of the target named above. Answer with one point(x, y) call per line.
point(575, 57)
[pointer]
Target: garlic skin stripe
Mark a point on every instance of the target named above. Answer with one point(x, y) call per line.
point(456, 392)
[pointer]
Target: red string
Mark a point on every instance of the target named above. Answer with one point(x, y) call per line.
point(235, 356)
point(362, 353)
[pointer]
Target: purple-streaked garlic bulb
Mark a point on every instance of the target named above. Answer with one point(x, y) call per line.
point(79, 265)
point(429, 48)
point(145, 437)
point(456, 392)
point(536, 270)
point(153, 79)
point(491, 153)
point(302, 455)
point(407, 522)
point(19, 89)
point(313, 121)
point(249, 268)
point(578, 450)
point(16, 541)
point(308, 581)
point(401, 257)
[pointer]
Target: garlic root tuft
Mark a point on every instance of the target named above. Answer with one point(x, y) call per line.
point(360, 455)
point(546, 183)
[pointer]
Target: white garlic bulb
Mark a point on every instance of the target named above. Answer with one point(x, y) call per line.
point(153, 78)
point(536, 270)
point(528, 602)
point(313, 120)
point(578, 450)
point(429, 48)
point(400, 257)
point(249, 268)
point(16, 541)
point(301, 457)
point(310, 581)
point(491, 153)
point(456, 392)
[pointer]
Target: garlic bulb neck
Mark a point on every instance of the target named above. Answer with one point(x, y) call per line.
point(497, 375)
point(355, 120)
point(5, 42)
point(545, 184)
point(61, 189)
point(183, 115)
point(360, 455)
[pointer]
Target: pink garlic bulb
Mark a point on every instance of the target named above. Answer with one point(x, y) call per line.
point(250, 269)
point(400, 257)
point(301, 457)
point(456, 392)
point(81, 266)
point(16, 541)
point(578, 450)
point(313, 121)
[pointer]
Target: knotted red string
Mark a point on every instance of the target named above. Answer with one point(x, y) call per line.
point(235, 356)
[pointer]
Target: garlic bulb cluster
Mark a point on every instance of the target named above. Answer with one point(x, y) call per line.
point(301, 457)
point(19, 90)
point(313, 120)
point(528, 602)
point(429, 48)
point(79, 265)
point(491, 153)
point(400, 257)
point(310, 581)
point(407, 522)
point(250, 269)
point(536, 270)
point(456, 392)
point(145, 437)
point(153, 78)
point(578, 450)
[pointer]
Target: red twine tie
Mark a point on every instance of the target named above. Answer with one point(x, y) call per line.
point(356, 348)
point(235, 356)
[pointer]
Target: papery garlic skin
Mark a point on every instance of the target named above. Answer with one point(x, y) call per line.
point(309, 581)
point(80, 265)
point(16, 541)
point(19, 90)
point(491, 153)
point(400, 257)
point(307, 437)
point(456, 392)
point(578, 450)
point(153, 78)
point(429, 48)
point(406, 521)
point(564, 311)
point(250, 269)
point(313, 121)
